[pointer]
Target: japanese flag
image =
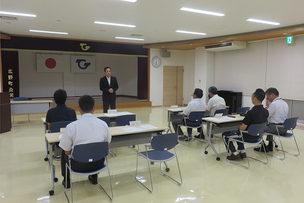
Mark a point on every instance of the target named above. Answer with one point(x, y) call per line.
point(50, 63)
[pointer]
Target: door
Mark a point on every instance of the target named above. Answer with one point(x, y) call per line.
point(173, 85)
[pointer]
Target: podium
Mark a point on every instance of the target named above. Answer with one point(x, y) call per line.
point(5, 112)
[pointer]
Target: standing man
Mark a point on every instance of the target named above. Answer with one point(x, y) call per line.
point(108, 85)
point(88, 129)
point(215, 102)
point(257, 115)
point(278, 110)
point(196, 104)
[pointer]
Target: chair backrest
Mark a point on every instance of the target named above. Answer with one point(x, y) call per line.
point(242, 110)
point(90, 152)
point(20, 98)
point(125, 119)
point(196, 115)
point(256, 129)
point(290, 123)
point(223, 111)
point(105, 119)
point(55, 127)
point(164, 142)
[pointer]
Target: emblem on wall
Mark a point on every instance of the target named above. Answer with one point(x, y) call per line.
point(84, 46)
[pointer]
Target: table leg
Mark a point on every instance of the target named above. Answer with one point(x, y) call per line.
point(52, 167)
point(169, 120)
point(209, 143)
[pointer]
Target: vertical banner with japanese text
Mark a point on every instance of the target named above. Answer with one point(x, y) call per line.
point(10, 73)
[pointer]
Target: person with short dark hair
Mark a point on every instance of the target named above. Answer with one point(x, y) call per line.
point(215, 102)
point(257, 115)
point(278, 110)
point(108, 85)
point(88, 129)
point(196, 104)
point(61, 112)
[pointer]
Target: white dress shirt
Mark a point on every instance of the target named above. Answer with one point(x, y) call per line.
point(278, 110)
point(196, 104)
point(215, 103)
point(109, 80)
point(88, 129)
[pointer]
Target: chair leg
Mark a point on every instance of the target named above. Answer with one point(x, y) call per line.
point(110, 197)
point(180, 175)
point(149, 174)
point(66, 183)
point(283, 151)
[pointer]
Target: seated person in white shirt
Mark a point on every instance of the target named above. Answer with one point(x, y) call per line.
point(215, 102)
point(196, 104)
point(88, 129)
point(278, 110)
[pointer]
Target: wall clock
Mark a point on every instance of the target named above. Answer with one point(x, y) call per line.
point(156, 61)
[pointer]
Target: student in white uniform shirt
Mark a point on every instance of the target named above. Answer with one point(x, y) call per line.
point(196, 104)
point(215, 102)
point(88, 129)
point(278, 110)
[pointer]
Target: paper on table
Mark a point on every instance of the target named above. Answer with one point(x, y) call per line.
point(132, 129)
point(111, 114)
point(124, 113)
point(148, 127)
point(60, 136)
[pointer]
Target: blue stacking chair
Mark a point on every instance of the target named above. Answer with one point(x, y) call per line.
point(105, 119)
point(253, 130)
point(87, 153)
point(125, 119)
point(242, 110)
point(289, 124)
point(195, 116)
point(223, 111)
point(160, 144)
point(55, 126)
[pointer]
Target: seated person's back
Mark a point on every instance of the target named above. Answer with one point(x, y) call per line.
point(215, 102)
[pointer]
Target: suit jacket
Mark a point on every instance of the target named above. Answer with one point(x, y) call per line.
point(104, 87)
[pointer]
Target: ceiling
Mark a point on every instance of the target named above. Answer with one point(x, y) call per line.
point(155, 20)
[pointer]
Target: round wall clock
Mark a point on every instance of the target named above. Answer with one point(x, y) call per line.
point(156, 61)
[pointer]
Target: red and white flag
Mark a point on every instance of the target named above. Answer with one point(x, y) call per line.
point(50, 63)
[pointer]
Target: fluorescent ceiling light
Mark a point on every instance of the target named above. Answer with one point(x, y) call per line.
point(201, 11)
point(188, 32)
point(51, 32)
point(263, 21)
point(133, 1)
point(115, 24)
point(129, 38)
point(17, 14)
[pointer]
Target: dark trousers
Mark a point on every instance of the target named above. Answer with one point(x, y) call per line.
point(107, 101)
point(79, 166)
point(247, 138)
point(270, 128)
point(180, 121)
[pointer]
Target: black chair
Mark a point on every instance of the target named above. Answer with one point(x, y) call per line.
point(87, 153)
point(105, 119)
point(289, 124)
point(125, 119)
point(223, 111)
point(160, 144)
point(253, 130)
point(242, 110)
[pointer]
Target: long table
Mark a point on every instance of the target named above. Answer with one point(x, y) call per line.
point(173, 113)
point(30, 106)
point(122, 136)
point(220, 125)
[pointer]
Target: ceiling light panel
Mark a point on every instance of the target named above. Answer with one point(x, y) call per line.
point(126, 38)
point(50, 32)
point(17, 14)
point(114, 24)
point(190, 32)
point(262, 21)
point(201, 11)
point(132, 1)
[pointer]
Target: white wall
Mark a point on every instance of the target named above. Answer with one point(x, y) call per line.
point(34, 84)
point(178, 58)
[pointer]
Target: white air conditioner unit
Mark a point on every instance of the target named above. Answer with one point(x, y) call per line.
point(226, 46)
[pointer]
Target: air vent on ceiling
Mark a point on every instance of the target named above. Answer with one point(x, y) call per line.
point(136, 35)
point(226, 46)
point(8, 18)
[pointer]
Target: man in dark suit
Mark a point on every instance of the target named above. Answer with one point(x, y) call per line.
point(108, 85)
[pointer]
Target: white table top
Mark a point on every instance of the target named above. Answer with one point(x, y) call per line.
point(179, 109)
point(31, 101)
point(224, 119)
point(115, 131)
